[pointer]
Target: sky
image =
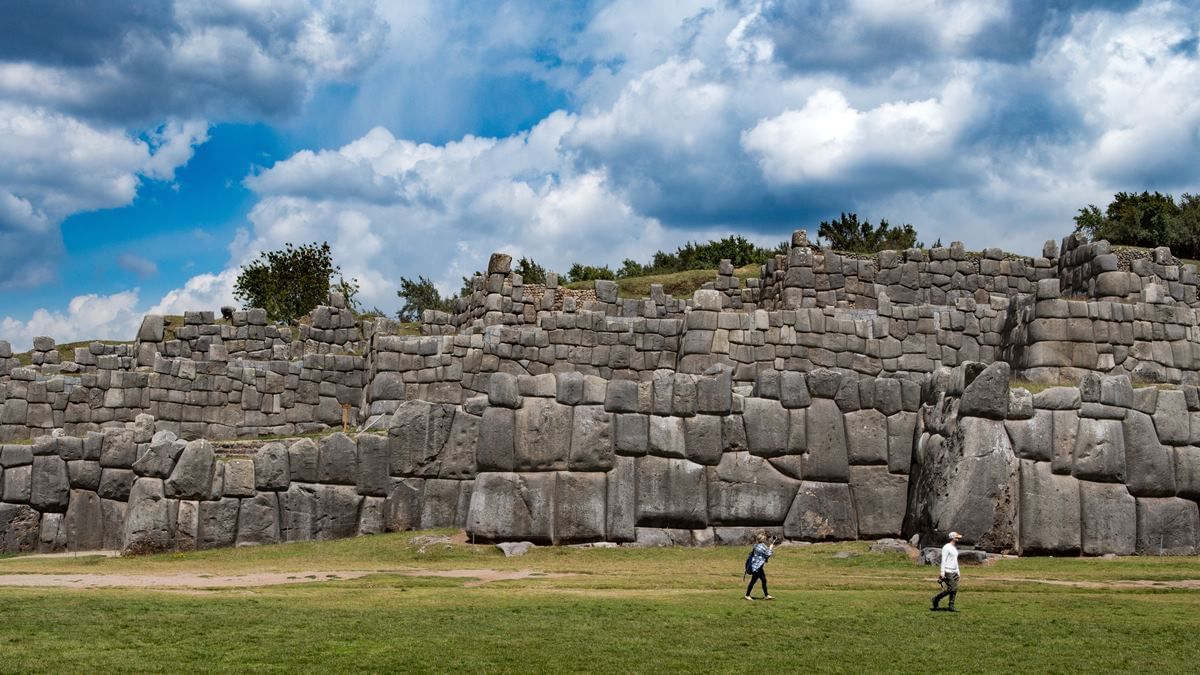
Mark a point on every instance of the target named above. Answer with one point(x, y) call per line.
point(149, 149)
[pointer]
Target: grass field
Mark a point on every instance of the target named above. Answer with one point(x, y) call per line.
point(677, 284)
point(612, 610)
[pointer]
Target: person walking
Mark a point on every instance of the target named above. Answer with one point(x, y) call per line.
point(949, 573)
point(757, 562)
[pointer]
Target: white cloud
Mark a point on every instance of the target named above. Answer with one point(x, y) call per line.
point(203, 292)
point(88, 317)
point(137, 265)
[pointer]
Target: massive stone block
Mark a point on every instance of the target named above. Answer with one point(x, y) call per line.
point(580, 507)
point(745, 489)
point(458, 454)
point(1050, 511)
point(84, 522)
point(632, 434)
point(18, 484)
point(543, 435)
point(667, 438)
point(671, 493)
point(271, 471)
point(1187, 472)
point(901, 432)
point(298, 508)
point(1033, 438)
point(866, 437)
point(827, 458)
point(702, 439)
point(821, 511)
point(372, 465)
point(149, 519)
point(1099, 453)
point(416, 437)
point(439, 504)
point(1171, 418)
point(766, 427)
point(1149, 466)
point(337, 460)
point(508, 506)
point(1066, 426)
point(303, 458)
point(217, 523)
point(987, 395)
point(592, 446)
point(336, 512)
point(1167, 526)
point(20, 525)
point(51, 485)
point(192, 477)
point(621, 520)
point(1108, 519)
point(497, 430)
point(879, 501)
point(239, 478)
point(258, 520)
point(402, 510)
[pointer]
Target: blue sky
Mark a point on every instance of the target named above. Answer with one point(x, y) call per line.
point(151, 148)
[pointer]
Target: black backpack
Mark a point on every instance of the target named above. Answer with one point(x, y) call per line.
point(749, 559)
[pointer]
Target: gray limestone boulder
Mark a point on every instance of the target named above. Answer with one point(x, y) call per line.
point(402, 508)
point(1187, 472)
point(113, 513)
point(151, 329)
point(118, 450)
point(1099, 453)
point(1149, 466)
point(1033, 438)
point(20, 526)
point(621, 501)
point(632, 434)
point(1108, 519)
point(823, 383)
point(416, 437)
point(1167, 526)
point(793, 390)
point(866, 437)
point(667, 438)
point(372, 516)
point(592, 445)
point(372, 465)
point(18, 484)
point(745, 489)
point(569, 387)
point(579, 507)
point(879, 501)
point(337, 460)
point(336, 514)
point(303, 457)
point(217, 523)
point(51, 486)
point(192, 477)
point(271, 471)
point(239, 478)
point(621, 396)
point(671, 493)
point(542, 440)
point(1066, 428)
point(714, 392)
point(458, 453)
point(439, 504)
point(298, 512)
point(821, 511)
point(497, 429)
point(159, 459)
point(513, 549)
point(513, 506)
point(827, 459)
point(702, 439)
point(766, 423)
point(83, 473)
point(1171, 418)
point(258, 520)
point(901, 433)
point(84, 522)
point(149, 518)
point(116, 483)
point(53, 535)
point(987, 395)
point(1049, 511)
point(503, 391)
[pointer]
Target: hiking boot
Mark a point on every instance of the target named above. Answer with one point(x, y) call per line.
point(768, 597)
point(951, 609)
point(749, 598)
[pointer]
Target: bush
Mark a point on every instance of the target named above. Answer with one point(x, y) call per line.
point(530, 271)
point(581, 272)
point(419, 296)
point(694, 256)
point(848, 234)
point(1147, 220)
point(287, 283)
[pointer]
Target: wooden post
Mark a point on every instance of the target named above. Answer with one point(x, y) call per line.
point(345, 417)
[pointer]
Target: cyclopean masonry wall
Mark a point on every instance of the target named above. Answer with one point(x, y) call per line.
point(828, 399)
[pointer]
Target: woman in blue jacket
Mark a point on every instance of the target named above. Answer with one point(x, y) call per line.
point(757, 563)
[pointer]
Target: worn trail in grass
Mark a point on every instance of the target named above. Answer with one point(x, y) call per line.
point(612, 610)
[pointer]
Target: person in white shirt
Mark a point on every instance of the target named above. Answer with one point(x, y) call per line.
point(949, 573)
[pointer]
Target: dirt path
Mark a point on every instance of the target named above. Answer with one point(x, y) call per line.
point(475, 578)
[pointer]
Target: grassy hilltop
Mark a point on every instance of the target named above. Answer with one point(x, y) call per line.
point(600, 610)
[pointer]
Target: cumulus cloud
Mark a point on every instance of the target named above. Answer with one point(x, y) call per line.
point(88, 317)
point(201, 292)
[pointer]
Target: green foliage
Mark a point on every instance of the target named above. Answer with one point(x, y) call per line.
point(530, 271)
point(1146, 219)
point(419, 296)
point(847, 233)
point(707, 256)
point(287, 283)
point(581, 272)
point(349, 291)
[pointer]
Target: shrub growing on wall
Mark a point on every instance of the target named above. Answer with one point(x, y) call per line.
point(288, 283)
point(849, 234)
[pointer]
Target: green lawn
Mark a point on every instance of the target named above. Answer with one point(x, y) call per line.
point(618, 610)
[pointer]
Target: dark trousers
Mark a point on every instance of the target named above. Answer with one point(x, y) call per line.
point(951, 589)
point(758, 575)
